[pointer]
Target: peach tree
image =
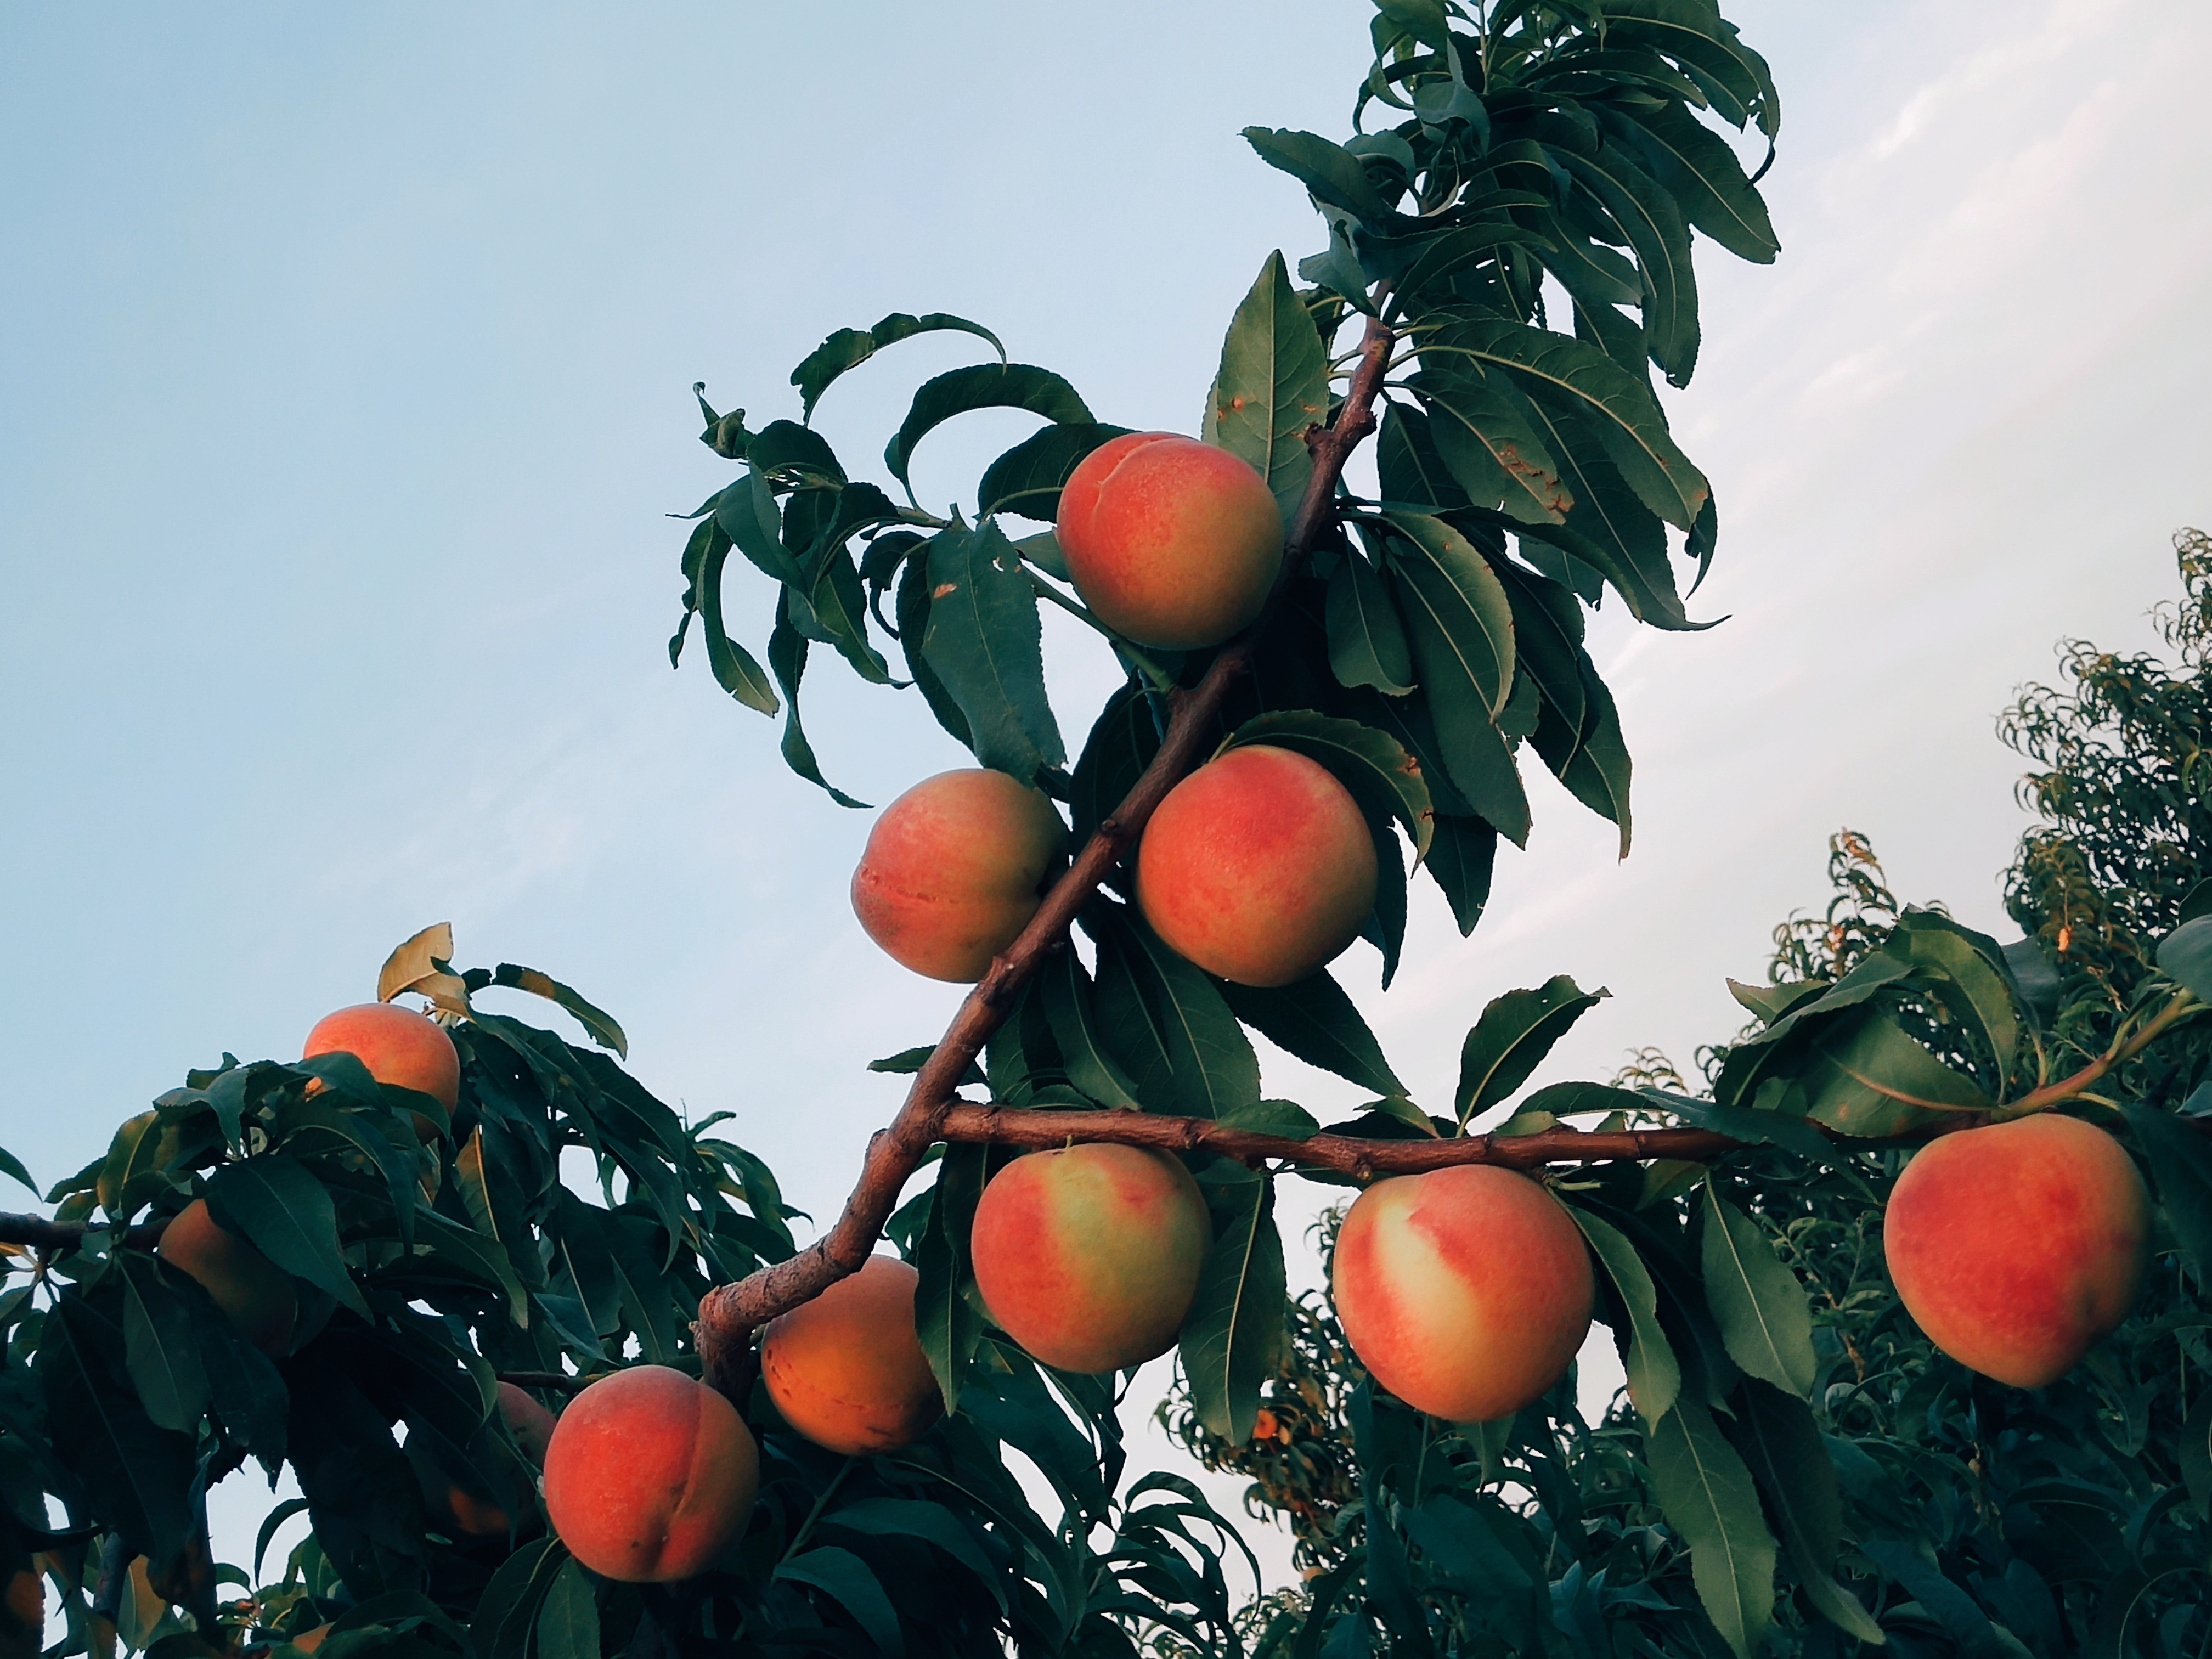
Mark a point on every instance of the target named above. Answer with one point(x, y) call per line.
point(528, 1418)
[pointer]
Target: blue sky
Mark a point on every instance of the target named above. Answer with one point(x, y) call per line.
point(344, 358)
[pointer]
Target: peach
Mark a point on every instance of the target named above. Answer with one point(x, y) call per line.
point(1465, 1291)
point(649, 1475)
point(1171, 542)
point(23, 1626)
point(954, 869)
point(530, 1422)
point(846, 1369)
point(2016, 1246)
point(308, 1640)
point(256, 1295)
point(400, 1047)
point(1259, 867)
point(1089, 1256)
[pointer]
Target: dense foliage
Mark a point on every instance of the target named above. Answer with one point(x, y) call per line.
point(1975, 1518)
point(1509, 257)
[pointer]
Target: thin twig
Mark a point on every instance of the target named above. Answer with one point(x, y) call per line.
point(729, 1314)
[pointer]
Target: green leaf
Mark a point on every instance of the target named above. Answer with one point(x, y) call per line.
point(2185, 955)
point(506, 1613)
point(1950, 1607)
point(1706, 1493)
point(848, 348)
point(1167, 1024)
point(788, 451)
point(984, 642)
point(1486, 434)
point(749, 516)
point(982, 385)
point(161, 1350)
point(1755, 1299)
point(849, 1581)
point(12, 1166)
point(1372, 765)
point(1461, 857)
point(787, 658)
point(597, 1023)
point(138, 1476)
point(734, 668)
point(1027, 479)
point(1272, 386)
point(481, 1259)
point(283, 1212)
point(1696, 36)
point(568, 1618)
point(1655, 1377)
point(1232, 1338)
point(1313, 1019)
point(1511, 1040)
point(1650, 222)
point(1590, 759)
point(1332, 173)
point(1065, 987)
point(1864, 1076)
point(2181, 1166)
point(1619, 409)
point(1282, 1118)
point(1779, 1439)
point(914, 627)
point(839, 607)
point(1408, 465)
point(1967, 972)
point(945, 1319)
point(1690, 161)
point(934, 1523)
point(1447, 581)
point(1366, 640)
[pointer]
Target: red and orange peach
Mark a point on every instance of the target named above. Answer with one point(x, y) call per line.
point(650, 1474)
point(1259, 867)
point(250, 1290)
point(400, 1047)
point(1171, 543)
point(954, 869)
point(2016, 1246)
point(846, 1369)
point(1089, 1256)
point(1465, 1291)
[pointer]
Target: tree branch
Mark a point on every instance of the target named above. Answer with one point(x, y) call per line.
point(729, 1314)
point(1351, 1155)
point(37, 1232)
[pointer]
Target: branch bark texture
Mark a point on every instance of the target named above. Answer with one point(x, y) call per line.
point(729, 1314)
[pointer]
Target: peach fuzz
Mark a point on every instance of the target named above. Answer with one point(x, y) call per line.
point(250, 1290)
point(2016, 1246)
point(1465, 1291)
point(1088, 1257)
point(846, 1369)
point(400, 1047)
point(954, 869)
point(650, 1474)
point(1171, 542)
point(1259, 867)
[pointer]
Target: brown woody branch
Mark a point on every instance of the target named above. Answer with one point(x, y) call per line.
point(1351, 1155)
point(729, 1314)
point(38, 1233)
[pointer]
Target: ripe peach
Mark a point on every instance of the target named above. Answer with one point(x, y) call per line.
point(1259, 867)
point(530, 1422)
point(2016, 1246)
point(23, 1626)
point(1088, 1257)
point(846, 1369)
point(649, 1474)
point(1171, 542)
point(1465, 1291)
point(246, 1285)
point(954, 869)
point(400, 1047)
point(308, 1640)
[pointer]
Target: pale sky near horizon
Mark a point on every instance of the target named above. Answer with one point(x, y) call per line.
point(344, 369)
